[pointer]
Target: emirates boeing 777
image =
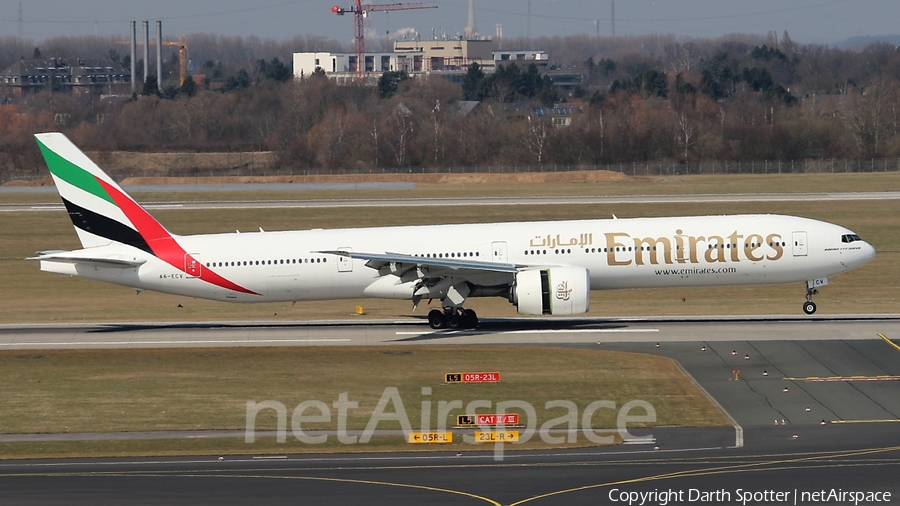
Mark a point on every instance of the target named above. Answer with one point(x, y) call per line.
point(543, 268)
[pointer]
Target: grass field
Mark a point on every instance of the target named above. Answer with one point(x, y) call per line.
point(169, 389)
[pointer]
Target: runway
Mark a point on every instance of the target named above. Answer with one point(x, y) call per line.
point(544, 331)
point(795, 373)
point(489, 201)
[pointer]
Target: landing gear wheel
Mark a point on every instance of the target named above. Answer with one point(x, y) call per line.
point(455, 320)
point(809, 307)
point(436, 319)
point(471, 319)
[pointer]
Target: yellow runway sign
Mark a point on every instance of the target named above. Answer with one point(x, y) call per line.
point(508, 436)
point(430, 437)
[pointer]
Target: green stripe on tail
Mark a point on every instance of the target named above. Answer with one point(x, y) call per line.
point(73, 174)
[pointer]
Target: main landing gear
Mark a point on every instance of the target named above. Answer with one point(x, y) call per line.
point(452, 318)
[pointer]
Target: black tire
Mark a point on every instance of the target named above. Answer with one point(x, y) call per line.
point(471, 319)
point(436, 319)
point(809, 307)
point(454, 320)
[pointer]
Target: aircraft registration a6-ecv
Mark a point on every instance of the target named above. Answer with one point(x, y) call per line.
point(543, 268)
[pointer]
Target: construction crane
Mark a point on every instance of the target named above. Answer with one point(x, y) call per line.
point(361, 11)
point(182, 45)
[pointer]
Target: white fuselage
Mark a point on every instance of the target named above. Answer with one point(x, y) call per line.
point(618, 253)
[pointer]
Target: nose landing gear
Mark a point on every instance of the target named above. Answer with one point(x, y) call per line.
point(452, 318)
point(809, 307)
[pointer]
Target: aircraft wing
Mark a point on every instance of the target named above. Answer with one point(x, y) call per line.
point(399, 263)
point(76, 258)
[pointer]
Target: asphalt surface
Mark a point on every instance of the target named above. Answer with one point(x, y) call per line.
point(546, 331)
point(820, 458)
point(490, 201)
point(838, 368)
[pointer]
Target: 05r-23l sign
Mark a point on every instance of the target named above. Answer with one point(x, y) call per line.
point(472, 377)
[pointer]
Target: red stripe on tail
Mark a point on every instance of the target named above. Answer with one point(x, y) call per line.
point(161, 242)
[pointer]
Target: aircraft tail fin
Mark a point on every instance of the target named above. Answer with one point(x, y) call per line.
point(100, 210)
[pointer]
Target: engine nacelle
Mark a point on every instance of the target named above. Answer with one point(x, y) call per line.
point(555, 290)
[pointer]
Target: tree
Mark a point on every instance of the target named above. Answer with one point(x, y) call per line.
point(471, 84)
point(169, 92)
point(275, 70)
point(718, 77)
point(36, 55)
point(537, 135)
point(150, 86)
point(589, 67)
point(390, 81)
point(547, 92)
point(114, 56)
point(684, 102)
point(652, 83)
point(188, 87)
point(238, 81)
point(868, 116)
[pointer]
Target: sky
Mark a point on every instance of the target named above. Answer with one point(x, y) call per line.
point(807, 21)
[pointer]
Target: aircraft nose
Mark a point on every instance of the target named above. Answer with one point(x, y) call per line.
point(868, 252)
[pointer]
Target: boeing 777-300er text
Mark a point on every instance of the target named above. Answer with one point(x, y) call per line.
point(543, 268)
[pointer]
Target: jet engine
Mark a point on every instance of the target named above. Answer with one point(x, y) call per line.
point(554, 290)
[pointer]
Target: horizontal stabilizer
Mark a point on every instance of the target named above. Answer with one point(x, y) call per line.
point(78, 257)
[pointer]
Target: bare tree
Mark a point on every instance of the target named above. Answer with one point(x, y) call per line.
point(537, 134)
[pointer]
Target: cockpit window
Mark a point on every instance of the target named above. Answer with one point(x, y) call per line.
point(850, 238)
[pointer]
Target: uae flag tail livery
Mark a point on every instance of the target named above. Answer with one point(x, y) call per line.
point(105, 217)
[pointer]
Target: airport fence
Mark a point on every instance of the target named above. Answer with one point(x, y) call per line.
point(248, 166)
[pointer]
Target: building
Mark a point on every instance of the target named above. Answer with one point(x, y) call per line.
point(448, 54)
point(447, 58)
point(74, 75)
point(521, 58)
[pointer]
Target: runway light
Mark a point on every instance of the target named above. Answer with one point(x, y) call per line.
point(765, 373)
point(703, 348)
point(656, 448)
point(807, 409)
point(785, 390)
point(221, 459)
point(734, 352)
point(657, 345)
point(776, 421)
point(783, 422)
point(822, 422)
point(794, 436)
point(746, 357)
